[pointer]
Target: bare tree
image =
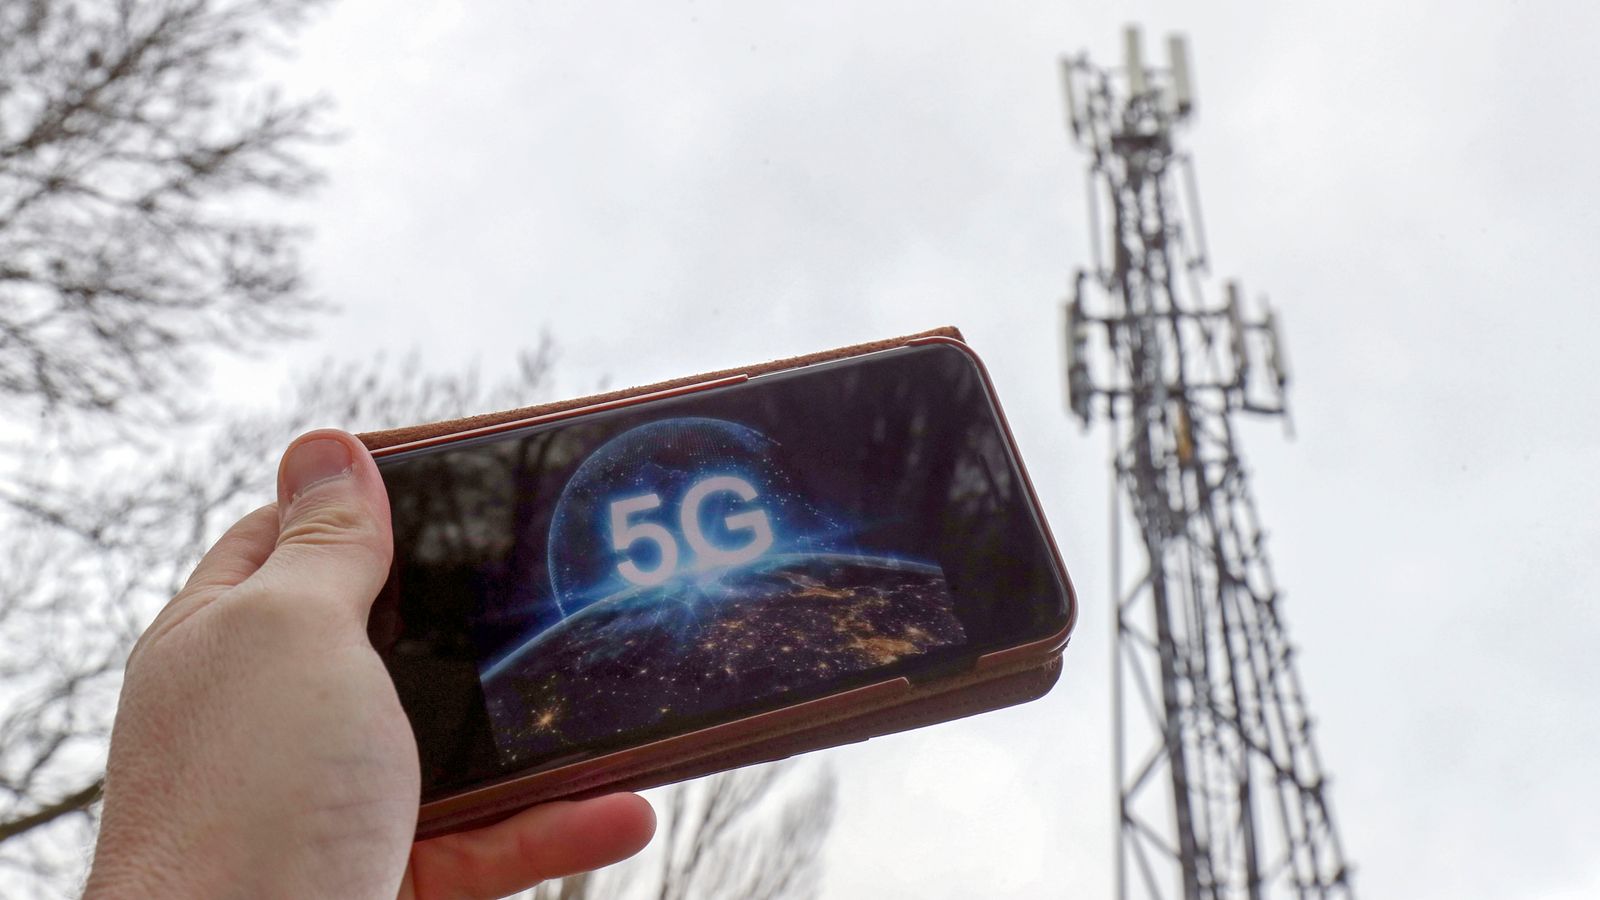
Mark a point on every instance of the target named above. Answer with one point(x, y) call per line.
point(750, 834)
point(127, 142)
point(130, 146)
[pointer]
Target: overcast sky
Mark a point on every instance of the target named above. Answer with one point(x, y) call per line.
point(670, 187)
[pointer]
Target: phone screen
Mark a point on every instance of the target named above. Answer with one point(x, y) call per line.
point(571, 588)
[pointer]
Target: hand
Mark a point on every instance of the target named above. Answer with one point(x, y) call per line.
point(260, 750)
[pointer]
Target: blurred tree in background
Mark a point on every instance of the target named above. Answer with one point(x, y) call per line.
point(136, 153)
point(130, 147)
point(126, 142)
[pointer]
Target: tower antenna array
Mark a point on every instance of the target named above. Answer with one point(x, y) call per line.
point(1220, 791)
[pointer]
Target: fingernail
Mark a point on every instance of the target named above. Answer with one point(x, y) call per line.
point(312, 462)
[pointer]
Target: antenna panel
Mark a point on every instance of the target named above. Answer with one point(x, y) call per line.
point(1133, 59)
point(1182, 81)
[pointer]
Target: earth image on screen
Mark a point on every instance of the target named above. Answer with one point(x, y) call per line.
point(710, 642)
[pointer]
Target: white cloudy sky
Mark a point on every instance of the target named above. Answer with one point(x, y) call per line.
point(675, 186)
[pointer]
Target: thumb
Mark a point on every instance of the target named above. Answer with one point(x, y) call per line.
point(334, 544)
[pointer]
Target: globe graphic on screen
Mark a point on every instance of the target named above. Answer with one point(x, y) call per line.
point(694, 577)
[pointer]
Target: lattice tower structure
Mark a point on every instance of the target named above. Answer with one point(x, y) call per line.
point(1220, 789)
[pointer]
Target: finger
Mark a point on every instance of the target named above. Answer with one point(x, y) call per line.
point(333, 544)
point(237, 554)
point(548, 841)
point(232, 559)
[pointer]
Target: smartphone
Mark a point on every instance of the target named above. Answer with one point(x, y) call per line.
point(673, 575)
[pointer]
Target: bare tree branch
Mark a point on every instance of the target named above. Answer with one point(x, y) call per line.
point(75, 802)
point(125, 135)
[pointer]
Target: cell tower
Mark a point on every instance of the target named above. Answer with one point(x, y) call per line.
point(1220, 792)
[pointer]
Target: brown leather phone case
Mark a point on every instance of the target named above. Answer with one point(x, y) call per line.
point(1000, 679)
